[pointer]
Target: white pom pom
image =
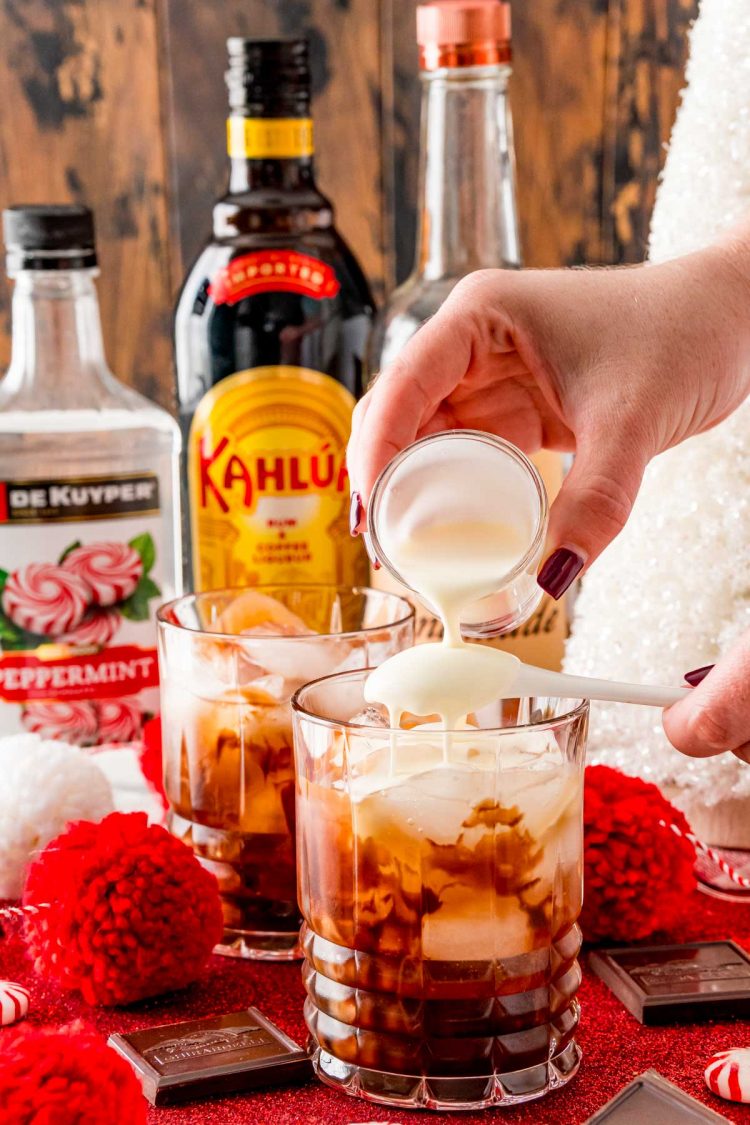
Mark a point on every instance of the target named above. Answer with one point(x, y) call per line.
point(728, 1074)
point(44, 786)
point(14, 1002)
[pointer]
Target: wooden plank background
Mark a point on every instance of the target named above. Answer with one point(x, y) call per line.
point(121, 104)
point(81, 121)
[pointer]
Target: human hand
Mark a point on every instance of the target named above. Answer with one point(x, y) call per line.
point(614, 365)
point(715, 716)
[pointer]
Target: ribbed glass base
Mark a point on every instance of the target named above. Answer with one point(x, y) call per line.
point(455, 1093)
point(257, 945)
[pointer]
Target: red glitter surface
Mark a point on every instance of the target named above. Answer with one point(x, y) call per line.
point(615, 1046)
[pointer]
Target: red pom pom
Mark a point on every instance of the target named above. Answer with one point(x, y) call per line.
point(151, 759)
point(638, 875)
point(65, 1077)
point(132, 912)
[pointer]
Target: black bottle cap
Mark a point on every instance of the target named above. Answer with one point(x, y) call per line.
point(269, 77)
point(55, 236)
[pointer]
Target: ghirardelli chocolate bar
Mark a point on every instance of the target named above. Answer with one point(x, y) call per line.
point(663, 984)
point(649, 1099)
point(218, 1055)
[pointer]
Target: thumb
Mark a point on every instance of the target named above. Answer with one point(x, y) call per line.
point(715, 716)
point(592, 506)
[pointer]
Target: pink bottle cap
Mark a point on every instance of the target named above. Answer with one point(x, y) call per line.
point(458, 33)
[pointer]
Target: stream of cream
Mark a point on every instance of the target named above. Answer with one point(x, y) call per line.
point(450, 565)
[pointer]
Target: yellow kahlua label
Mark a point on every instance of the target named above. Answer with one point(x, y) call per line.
point(269, 138)
point(269, 491)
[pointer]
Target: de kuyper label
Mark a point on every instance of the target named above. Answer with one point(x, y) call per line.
point(81, 574)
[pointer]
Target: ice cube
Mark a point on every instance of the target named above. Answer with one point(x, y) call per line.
point(264, 688)
point(528, 749)
point(274, 629)
point(484, 931)
point(216, 666)
point(543, 796)
point(431, 805)
point(254, 612)
point(370, 716)
point(350, 656)
point(297, 659)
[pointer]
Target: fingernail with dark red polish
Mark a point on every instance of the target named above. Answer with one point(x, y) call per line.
point(370, 553)
point(698, 674)
point(355, 513)
point(560, 569)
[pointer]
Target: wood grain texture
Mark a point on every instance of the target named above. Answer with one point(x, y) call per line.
point(557, 98)
point(81, 122)
point(646, 55)
point(400, 138)
point(87, 83)
point(345, 48)
point(594, 90)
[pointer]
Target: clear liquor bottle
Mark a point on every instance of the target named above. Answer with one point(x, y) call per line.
point(467, 220)
point(89, 519)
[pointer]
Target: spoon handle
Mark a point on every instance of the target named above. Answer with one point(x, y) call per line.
point(540, 681)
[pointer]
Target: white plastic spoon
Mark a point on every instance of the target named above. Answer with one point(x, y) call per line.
point(454, 680)
point(541, 681)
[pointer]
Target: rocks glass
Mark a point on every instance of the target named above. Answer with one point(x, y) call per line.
point(440, 880)
point(229, 662)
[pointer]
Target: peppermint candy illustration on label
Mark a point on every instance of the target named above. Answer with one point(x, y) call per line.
point(110, 570)
point(45, 599)
point(119, 721)
point(14, 1002)
point(98, 627)
point(70, 721)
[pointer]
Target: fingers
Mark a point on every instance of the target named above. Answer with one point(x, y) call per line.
point(408, 393)
point(715, 716)
point(592, 506)
point(405, 395)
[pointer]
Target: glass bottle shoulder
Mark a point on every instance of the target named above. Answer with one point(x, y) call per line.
point(405, 311)
point(271, 324)
point(104, 404)
point(268, 221)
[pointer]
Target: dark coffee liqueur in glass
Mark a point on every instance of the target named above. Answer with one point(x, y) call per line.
point(419, 989)
point(440, 900)
point(230, 661)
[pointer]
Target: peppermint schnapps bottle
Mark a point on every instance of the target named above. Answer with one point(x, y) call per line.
point(88, 502)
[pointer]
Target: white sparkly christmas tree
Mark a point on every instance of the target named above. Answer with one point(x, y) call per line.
point(673, 590)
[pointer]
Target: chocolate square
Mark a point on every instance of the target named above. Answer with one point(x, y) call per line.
point(662, 984)
point(649, 1099)
point(214, 1056)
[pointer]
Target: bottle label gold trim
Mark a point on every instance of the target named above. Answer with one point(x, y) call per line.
point(269, 138)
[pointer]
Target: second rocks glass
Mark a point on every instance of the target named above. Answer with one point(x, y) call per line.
point(230, 662)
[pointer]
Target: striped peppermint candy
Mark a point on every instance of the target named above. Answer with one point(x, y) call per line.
point(110, 570)
point(73, 721)
point(14, 1002)
point(728, 1074)
point(119, 720)
point(98, 627)
point(46, 599)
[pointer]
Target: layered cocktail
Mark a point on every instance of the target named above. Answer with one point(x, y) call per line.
point(440, 883)
point(230, 661)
